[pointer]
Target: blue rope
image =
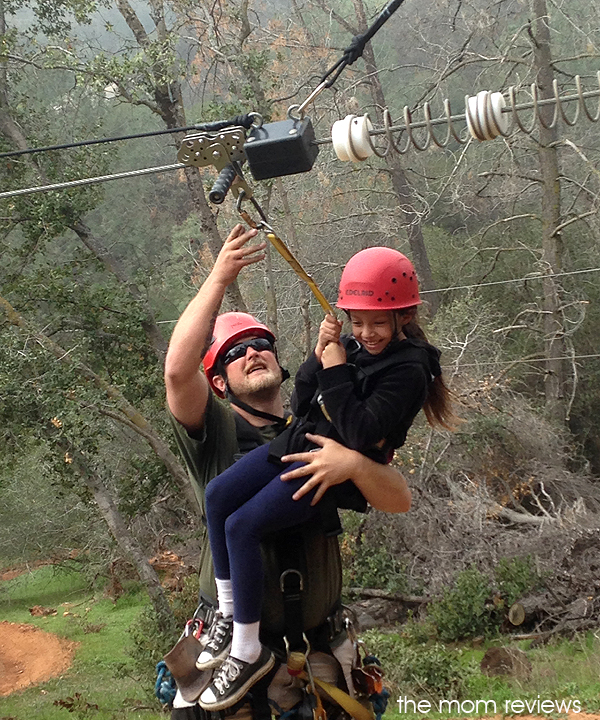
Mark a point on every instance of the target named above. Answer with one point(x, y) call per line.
point(379, 702)
point(164, 688)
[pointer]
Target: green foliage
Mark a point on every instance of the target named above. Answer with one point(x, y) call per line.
point(471, 608)
point(102, 674)
point(373, 567)
point(53, 17)
point(465, 610)
point(433, 671)
point(515, 577)
point(184, 603)
point(150, 641)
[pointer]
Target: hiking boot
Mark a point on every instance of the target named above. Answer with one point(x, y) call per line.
point(218, 643)
point(233, 680)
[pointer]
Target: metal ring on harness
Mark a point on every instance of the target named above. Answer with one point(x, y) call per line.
point(287, 642)
point(284, 574)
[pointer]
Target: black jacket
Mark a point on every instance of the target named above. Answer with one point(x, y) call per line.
point(371, 400)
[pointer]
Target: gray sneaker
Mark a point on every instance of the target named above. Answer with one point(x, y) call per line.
point(218, 644)
point(233, 680)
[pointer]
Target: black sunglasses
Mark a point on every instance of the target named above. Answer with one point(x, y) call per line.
point(239, 351)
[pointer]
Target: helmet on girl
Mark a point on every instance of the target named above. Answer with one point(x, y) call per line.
point(229, 328)
point(378, 278)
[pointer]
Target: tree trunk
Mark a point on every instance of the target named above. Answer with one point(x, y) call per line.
point(554, 346)
point(168, 101)
point(305, 294)
point(127, 414)
point(119, 530)
point(403, 190)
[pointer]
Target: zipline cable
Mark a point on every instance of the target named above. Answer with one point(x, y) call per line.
point(523, 360)
point(351, 54)
point(458, 287)
point(243, 120)
point(91, 181)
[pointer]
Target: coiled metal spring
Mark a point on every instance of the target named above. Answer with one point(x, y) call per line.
point(487, 116)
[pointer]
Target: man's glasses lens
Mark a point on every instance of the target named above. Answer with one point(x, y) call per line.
point(239, 351)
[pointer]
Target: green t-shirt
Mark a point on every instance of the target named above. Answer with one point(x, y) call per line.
point(208, 455)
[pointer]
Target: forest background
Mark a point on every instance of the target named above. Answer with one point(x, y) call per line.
point(504, 235)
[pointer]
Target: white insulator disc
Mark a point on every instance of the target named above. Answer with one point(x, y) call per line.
point(360, 145)
point(340, 133)
point(472, 119)
point(484, 111)
point(499, 118)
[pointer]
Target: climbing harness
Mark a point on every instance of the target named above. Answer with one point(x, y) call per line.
point(298, 665)
point(367, 675)
point(180, 661)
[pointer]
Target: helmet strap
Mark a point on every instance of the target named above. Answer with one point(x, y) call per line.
point(234, 400)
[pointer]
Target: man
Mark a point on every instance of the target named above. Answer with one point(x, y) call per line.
point(210, 435)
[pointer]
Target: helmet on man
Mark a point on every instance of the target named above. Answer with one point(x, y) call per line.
point(229, 328)
point(378, 278)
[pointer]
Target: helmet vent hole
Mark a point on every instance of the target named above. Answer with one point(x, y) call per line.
point(393, 299)
point(403, 274)
point(378, 299)
point(394, 280)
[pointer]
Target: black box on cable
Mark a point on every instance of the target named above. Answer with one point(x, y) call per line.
point(281, 148)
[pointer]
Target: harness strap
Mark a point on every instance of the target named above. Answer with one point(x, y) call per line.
point(352, 706)
point(291, 583)
point(253, 411)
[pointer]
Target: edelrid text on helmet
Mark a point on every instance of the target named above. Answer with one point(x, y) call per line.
point(229, 328)
point(378, 278)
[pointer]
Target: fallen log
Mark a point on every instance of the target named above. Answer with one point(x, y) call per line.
point(383, 595)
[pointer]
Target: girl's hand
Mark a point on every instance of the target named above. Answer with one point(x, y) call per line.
point(332, 465)
point(329, 332)
point(333, 354)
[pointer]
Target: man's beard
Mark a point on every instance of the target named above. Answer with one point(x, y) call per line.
point(262, 386)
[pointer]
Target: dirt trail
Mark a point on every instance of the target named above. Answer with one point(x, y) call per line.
point(29, 656)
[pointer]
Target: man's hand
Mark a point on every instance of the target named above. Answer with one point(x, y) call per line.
point(234, 255)
point(329, 332)
point(332, 465)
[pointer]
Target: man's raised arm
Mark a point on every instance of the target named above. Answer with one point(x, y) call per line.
point(187, 387)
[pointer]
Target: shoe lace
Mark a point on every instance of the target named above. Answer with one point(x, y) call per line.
point(226, 674)
point(218, 631)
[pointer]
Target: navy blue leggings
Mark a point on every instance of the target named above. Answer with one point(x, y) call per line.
point(243, 504)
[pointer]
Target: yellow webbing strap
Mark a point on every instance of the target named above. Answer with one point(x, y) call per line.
point(350, 705)
point(285, 253)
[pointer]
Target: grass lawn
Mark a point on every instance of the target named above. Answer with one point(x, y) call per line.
point(102, 672)
point(565, 674)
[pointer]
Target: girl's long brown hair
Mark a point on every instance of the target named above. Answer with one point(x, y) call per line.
point(438, 405)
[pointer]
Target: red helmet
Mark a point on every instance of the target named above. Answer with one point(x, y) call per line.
point(229, 328)
point(378, 278)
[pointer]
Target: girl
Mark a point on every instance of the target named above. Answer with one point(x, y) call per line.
point(362, 390)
